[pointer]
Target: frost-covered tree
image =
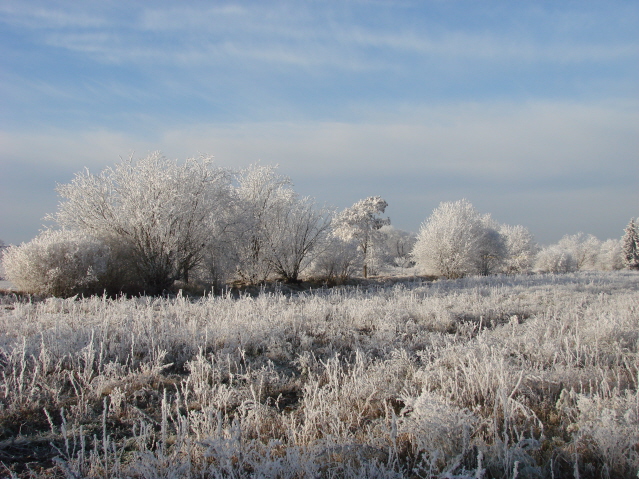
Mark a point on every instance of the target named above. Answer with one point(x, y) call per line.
point(3, 247)
point(491, 248)
point(583, 248)
point(630, 245)
point(396, 245)
point(361, 224)
point(580, 252)
point(219, 263)
point(521, 249)
point(610, 256)
point(456, 241)
point(275, 232)
point(161, 211)
point(555, 259)
point(58, 263)
point(262, 194)
point(294, 233)
point(337, 260)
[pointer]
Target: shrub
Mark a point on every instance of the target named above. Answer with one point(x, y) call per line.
point(162, 212)
point(58, 263)
point(456, 240)
point(555, 259)
point(337, 262)
point(521, 248)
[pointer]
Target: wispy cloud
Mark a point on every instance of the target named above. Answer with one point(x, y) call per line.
point(302, 36)
point(490, 46)
point(46, 17)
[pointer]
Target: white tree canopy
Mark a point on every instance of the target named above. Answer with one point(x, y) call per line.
point(521, 249)
point(276, 231)
point(360, 223)
point(456, 241)
point(159, 209)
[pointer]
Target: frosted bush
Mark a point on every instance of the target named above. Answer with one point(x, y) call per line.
point(610, 256)
point(555, 259)
point(57, 263)
point(448, 240)
point(583, 248)
point(521, 249)
point(3, 247)
point(456, 240)
point(337, 262)
point(580, 252)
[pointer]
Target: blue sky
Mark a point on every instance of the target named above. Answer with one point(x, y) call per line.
point(530, 110)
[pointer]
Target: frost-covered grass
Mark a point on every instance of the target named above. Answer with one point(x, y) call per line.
point(521, 376)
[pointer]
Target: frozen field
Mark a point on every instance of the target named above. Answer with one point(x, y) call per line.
point(523, 376)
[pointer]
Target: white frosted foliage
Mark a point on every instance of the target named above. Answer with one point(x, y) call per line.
point(163, 211)
point(456, 240)
point(57, 263)
point(361, 224)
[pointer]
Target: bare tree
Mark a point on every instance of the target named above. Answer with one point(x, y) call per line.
point(275, 231)
point(294, 233)
point(396, 246)
point(261, 195)
point(337, 260)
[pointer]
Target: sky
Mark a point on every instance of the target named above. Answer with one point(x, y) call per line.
point(530, 110)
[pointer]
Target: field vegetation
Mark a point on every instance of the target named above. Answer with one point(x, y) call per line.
point(519, 376)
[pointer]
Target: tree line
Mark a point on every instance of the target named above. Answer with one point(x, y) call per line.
point(141, 225)
point(457, 240)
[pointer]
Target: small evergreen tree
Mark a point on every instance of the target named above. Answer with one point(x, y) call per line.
point(630, 245)
point(360, 223)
